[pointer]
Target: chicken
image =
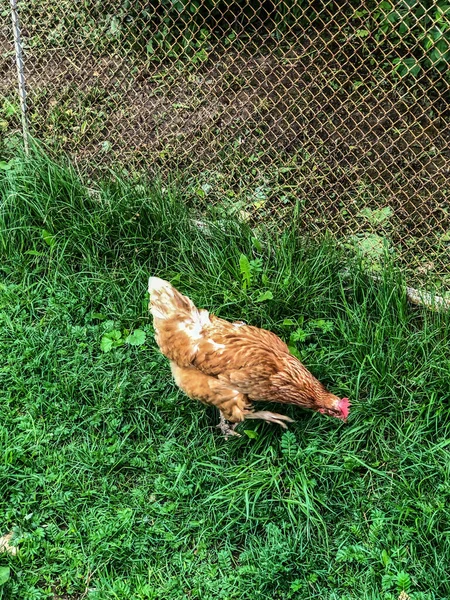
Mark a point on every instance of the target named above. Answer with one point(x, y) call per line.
point(230, 365)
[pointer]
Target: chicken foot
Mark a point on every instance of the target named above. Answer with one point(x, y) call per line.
point(227, 428)
point(270, 417)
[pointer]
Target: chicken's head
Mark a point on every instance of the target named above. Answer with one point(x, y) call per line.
point(340, 408)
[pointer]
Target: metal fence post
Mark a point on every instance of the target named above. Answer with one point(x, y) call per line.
point(20, 74)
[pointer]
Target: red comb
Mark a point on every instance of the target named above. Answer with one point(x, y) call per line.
point(344, 406)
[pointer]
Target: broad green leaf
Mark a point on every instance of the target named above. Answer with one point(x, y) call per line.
point(137, 338)
point(48, 238)
point(288, 323)
point(293, 350)
point(115, 26)
point(106, 344)
point(406, 66)
point(265, 296)
point(257, 244)
point(10, 109)
point(372, 247)
point(200, 56)
point(113, 335)
point(259, 204)
point(376, 216)
point(251, 434)
point(5, 573)
point(244, 266)
point(99, 316)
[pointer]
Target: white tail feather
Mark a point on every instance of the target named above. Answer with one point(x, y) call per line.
point(166, 302)
point(155, 284)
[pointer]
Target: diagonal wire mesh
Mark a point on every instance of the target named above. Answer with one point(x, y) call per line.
point(338, 108)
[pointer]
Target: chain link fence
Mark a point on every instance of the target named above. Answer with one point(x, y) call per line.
point(340, 109)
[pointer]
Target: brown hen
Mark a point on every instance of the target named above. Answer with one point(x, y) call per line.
point(230, 365)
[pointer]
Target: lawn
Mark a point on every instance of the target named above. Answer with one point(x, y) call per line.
point(116, 486)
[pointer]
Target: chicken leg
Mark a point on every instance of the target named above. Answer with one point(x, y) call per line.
point(228, 428)
point(234, 407)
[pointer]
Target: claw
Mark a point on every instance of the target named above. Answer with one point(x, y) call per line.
point(270, 417)
point(227, 428)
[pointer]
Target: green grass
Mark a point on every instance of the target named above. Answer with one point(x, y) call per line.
point(116, 486)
